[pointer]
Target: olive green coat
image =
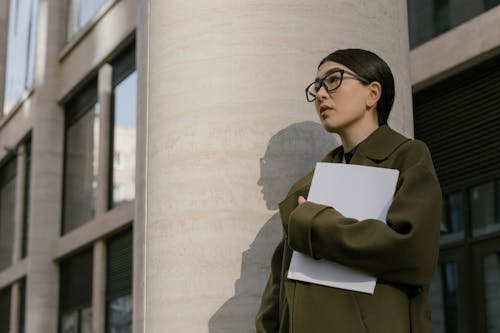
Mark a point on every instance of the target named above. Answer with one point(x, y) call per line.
point(402, 254)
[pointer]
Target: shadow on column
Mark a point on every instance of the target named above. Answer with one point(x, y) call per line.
point(290, 154)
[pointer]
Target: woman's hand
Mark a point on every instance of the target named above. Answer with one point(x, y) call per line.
point(301, 200)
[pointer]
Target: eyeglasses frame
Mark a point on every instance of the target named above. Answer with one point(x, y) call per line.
point(330, 72)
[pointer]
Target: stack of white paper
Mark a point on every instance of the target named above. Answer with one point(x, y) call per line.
point(356, 191)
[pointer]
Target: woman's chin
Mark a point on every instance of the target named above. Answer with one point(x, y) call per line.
point(329, 126)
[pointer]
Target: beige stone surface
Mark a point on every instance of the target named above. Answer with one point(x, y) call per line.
point(228, 131)
point(42, 292)
point(13, 273)
point(458, 49)
point(15, 126)
point(142, 65)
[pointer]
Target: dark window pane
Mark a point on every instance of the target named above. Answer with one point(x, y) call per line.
point(7, 207)
point(5, 310)
point(119, 283)
point(482, 209)
point(21, 39)
point(24, 249)
point(450, 288)
point(497, 199)
point(441, 16)
point(443, 299)
point(80, 12)
point(491, 3)
point(429, 18)
point(80, 172)
point(120, 315)
point(124, 134)
point(119, 267)
point(22, 305)
point(76, 282)
point(453, 213)
point(491, 265)
point(69, 322)
point(436, 299)
point(86, 320)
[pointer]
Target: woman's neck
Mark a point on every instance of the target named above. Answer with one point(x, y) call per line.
point(354, 135)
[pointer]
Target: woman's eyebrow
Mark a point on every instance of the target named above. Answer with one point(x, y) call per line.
point(328, 72)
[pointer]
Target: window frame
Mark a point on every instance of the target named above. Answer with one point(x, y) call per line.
point(79, 105)
point(123, 66)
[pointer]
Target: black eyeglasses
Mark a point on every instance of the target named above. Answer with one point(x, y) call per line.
point(331, 81)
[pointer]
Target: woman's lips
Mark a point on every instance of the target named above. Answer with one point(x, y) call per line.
point(324, 108)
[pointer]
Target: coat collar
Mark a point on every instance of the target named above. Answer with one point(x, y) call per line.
point(377, 146)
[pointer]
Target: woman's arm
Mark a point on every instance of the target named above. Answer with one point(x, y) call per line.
point(405, 250)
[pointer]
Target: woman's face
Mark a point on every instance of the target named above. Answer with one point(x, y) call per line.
point(341, 108)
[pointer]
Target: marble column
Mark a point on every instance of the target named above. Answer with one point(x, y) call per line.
point(228, 130)
point(42, 289)
point(99, 263)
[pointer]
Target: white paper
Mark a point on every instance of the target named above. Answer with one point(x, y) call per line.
point(356, 191)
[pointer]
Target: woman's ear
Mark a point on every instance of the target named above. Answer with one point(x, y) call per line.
point(374, 93)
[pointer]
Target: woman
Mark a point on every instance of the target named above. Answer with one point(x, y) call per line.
point(353, 94)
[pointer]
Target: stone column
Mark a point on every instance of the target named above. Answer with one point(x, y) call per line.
point(139, 230)
point(99, 274)
point(4, 27)
point(42, 301)
point(224, 101)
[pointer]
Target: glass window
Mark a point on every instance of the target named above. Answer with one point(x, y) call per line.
point(491, 266)
point(482, 209)
point(69, 322)
point(453, 213)
point(81, 160)
point(497, 202)
point(86, 320)
point(119, 283)
point(7, 207)
point(22, 305)
point(80, 12)
point(441, 16)
point(5, 310)
point(436, 299)
point(75, 297)
point(444, 299)
point(21, 38)
point(120, 315)
point(124, 134)
point(429, 18)
point(491, 3)
point(24, 249)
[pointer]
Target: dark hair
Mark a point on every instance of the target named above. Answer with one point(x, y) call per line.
point(371, 67)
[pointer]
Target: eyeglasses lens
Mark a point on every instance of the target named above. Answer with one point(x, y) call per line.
point(331, 82)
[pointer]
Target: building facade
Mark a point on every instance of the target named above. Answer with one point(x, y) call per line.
point(455, 66)
point(144, 146)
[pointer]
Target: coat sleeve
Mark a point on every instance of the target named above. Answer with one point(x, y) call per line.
point(268, 318)
point(405, 250)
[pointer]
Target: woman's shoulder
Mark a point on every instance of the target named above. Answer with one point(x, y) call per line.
point(413, 153)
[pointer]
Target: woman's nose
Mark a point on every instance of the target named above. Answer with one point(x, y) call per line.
point(322, 93)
